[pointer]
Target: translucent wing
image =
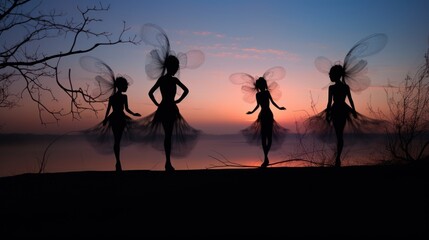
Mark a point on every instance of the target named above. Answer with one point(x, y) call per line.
point(358, 82)
point(242, 78)
point(104, 81)
point(356, 75)
point(155, 36)
point(103, 88)
point(367, 46)
point(272, 75)
point(275, 74)
point(323, 64)
point(95, 65)
point(154, 64)
point(191, 59)
point(183, 59)
point(247, 83)
point(274, 89)
point(355, 67)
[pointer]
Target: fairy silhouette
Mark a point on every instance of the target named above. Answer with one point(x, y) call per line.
point(163, 64)
point(347, 77)
point(264, 90)
point(115, 120)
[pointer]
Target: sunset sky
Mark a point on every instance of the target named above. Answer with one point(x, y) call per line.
point(244, 36)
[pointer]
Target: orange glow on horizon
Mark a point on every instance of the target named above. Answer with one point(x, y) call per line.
point(215, 105)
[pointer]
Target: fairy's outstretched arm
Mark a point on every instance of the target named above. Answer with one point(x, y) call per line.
point(109, 106)
point(328, 107)
point(256, 108)
point(128, 110)
point(275, 104)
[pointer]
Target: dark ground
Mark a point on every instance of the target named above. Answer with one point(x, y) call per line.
point(390, 201)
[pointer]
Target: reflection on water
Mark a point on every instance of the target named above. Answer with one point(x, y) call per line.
point(24, 153)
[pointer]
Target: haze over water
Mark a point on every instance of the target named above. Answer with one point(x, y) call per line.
point(23, 154)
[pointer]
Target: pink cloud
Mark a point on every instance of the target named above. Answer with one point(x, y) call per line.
point(207, 33)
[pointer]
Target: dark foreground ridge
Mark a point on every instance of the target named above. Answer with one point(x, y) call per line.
point(351, 201)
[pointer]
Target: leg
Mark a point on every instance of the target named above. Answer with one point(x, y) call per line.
point(168, 130)
point(266, 136)
point(269, 140)
point(265, 148)
point(117, 134)
point(340, 144)
point(339, 132)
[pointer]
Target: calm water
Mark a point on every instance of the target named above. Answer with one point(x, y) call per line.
point(24, 153)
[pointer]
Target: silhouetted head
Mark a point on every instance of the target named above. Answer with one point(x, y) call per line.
point(121, 84)
point(336, 73)
point(172, 64)
point(261, 84)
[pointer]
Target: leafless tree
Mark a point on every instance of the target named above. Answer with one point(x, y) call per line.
point(25, 27)
point(408, 138)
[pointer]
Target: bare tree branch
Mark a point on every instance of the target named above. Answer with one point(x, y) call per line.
point(408, 111)
point(25, 60)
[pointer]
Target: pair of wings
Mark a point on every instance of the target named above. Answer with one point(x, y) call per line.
point(105, 79)
point(354, 65)
point(152, 35)
point(156, 37)
point(355, 68)
point(248, 82)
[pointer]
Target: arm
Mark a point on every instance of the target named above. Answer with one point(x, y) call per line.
point(275, 104)
point(330, 96)
point(250, 112)
point(185, 91)
point(109, 106)
point(349, 96)
point(128, 110)
point(328, 107)
point(151, 92)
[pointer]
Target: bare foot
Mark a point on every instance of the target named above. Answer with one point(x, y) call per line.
point(118, 167)
point(265, 163)
point(337, 162)
point(169, 168)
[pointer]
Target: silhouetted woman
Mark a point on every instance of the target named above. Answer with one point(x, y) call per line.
point(168, 113)
point(265, 130)
point(118, 120)
point(350, 76)
point(337, 109)
point(265, 124)
point(179, 136)
point(162, 65)
point(111, 89)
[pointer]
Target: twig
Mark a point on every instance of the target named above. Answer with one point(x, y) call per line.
point(45, 159)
